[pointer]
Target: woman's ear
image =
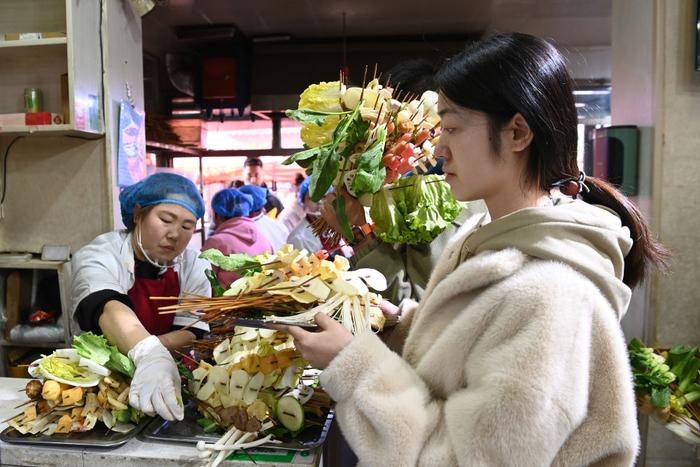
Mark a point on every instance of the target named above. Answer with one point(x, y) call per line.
point(518, 133)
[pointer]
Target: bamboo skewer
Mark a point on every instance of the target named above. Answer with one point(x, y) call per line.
point(406, 186)
point(12, 418)
point(25, 403)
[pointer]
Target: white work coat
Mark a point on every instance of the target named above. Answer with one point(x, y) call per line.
point(108, 263)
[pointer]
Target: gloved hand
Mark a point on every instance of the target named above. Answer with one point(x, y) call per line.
point(155, 387)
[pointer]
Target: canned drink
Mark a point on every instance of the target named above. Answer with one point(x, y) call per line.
point(32, 100)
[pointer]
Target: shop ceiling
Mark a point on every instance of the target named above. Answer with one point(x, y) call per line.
point(572, 22)
point(295, 42)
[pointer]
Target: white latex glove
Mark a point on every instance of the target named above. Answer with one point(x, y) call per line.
point(155, 387)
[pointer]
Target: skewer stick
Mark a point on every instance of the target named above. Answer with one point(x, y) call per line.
point(364, 81)
point(406, 186)
point(374, 75)
point(25, 403)
point(417, 109)
point(12, 418)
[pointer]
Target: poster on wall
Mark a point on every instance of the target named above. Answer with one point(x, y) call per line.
point(131, 156)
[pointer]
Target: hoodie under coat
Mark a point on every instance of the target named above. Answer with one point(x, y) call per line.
point(514, 356)
point(237, 235)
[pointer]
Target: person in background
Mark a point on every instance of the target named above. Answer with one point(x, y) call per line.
point(115, 274)
point(303, 236)
point(515, 354)
point(271, 228)
point(235, 232)
point(253, 168)
point(293, 212)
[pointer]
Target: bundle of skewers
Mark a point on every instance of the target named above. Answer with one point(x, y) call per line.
point(361, 140)
point(667, 386)
point(288, 287)
point(254, 389)
point(81, 386)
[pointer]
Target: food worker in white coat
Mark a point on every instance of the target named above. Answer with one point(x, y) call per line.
point(115, 275)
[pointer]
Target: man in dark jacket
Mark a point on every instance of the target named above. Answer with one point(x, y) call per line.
point(253, 171)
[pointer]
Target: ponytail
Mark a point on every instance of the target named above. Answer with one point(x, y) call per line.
point(645, 250)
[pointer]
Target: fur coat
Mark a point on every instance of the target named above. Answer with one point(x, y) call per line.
point(514, 356)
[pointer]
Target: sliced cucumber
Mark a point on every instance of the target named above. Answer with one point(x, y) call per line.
point(250, 393)
point(290, 413)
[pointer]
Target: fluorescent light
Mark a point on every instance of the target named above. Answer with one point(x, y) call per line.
point(187, 112)
point(580, 104)
point(591, 92)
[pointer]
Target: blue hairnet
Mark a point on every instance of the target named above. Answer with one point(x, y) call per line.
point(259, 195)
point(304, 189)
point(157, 189)
point(231, 203)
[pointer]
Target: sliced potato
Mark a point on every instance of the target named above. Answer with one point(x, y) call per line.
point(238, 382)
point(65, 423)
point(250, 393)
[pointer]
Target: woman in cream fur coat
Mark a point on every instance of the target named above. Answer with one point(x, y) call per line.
point(515, 355)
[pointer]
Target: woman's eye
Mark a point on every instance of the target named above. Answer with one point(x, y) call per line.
point(188, 227)
point(164, 221)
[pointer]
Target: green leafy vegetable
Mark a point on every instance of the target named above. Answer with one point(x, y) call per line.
point(208, 425)
point(371, 172)
point(304, 158)
point(323, 162)
point(339, 207)
point(317, 117)
point(413, 209)
point(99, 350)
point(241, 263)
point(217, 289)
point(325, 169)
point(184, 371)
point(356, 133)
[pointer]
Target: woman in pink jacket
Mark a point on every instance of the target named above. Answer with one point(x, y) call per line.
point(235, 232)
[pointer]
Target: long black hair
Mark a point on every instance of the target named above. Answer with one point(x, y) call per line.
point(511, 73)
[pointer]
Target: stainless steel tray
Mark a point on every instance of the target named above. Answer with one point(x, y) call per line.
point(188, 431)
point(99, 437)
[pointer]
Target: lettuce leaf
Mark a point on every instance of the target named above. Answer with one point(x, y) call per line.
point(99, 350)
point(240, 263)
point(413, 209)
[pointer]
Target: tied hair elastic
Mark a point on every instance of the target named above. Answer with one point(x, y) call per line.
point(572, 186)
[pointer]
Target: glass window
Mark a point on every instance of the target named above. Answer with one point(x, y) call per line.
point(291, 134)
point(237, 134)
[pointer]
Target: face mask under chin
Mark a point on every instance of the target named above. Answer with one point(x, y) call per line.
point(151, 257)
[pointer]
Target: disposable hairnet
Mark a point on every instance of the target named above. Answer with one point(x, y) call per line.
point(259, 195)
point(158, 189)
point(304, 189)
point(231, 203)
